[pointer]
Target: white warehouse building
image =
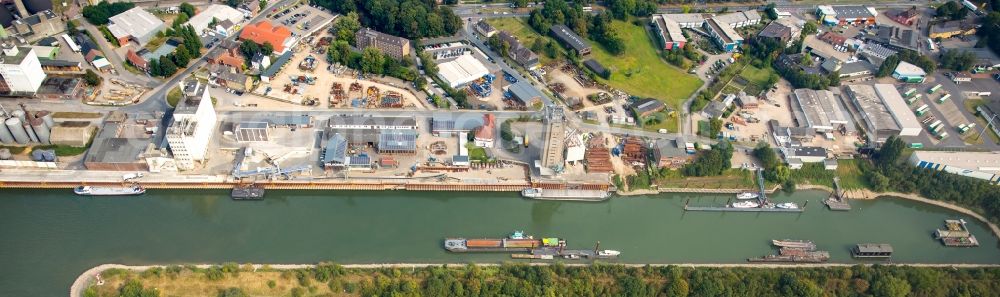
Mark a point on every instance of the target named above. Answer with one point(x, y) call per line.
point(218, 12)
point(981, 165)
point(461, 71)
point(20, 71)
point(193, 126)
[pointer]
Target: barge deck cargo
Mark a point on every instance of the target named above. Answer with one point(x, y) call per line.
point(956, 234)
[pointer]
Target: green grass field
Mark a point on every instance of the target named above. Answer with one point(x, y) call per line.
point(641, 72)
point(756, 75)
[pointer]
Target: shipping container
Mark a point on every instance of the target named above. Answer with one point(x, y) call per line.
point(934, 89)
point(910, 92)
point(917, 145)
point(943, 135)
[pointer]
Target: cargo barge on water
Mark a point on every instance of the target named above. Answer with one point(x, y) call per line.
point(956, 234)
point(794, 251)
point(516, 242)
point(566, 194)
point(523, 246)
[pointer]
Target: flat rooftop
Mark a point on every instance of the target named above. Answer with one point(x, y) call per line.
point(897, 107)
point(820, 109)
point(981, 161)
point(874, 112)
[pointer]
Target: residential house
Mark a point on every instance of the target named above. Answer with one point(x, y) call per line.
point(485, 29)
point(778, 32)
point(906, 17)
point(518, 52)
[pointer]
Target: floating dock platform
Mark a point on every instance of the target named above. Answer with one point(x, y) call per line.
point(835, 204)
point(247, 192)
point(734, 209)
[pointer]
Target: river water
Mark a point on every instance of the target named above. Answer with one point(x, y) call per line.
point(48, 237)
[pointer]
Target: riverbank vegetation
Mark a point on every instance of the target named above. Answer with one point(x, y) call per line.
point(888, 171)
point(555, 280)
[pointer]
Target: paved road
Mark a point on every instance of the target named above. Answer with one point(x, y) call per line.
point(156, 99)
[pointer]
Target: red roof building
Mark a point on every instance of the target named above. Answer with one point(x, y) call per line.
point(265, 32)
point(833, 38)
point(136, 60)
point(229, 58)
point(486, 134)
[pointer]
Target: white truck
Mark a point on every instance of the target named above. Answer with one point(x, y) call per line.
point(132, 176)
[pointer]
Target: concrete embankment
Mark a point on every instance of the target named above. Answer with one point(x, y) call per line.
point(88, 277)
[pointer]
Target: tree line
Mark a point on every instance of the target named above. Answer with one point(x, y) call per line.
point(712, 162)
point(99, 14)
point(597, 27)
point(188, 50)
point(617, 280)
point(407, 18)
point(889, 172)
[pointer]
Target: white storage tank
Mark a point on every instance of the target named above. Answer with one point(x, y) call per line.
point(31, 133)
point(38, 126)
point(16, 130)
point(5, 136)
point(19, 114)
point(46, 116)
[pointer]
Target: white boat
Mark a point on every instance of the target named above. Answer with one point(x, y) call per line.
point(531, 193)
point(608, 253)
point(747, 195)
point(109, 191)
point(787, 205)
point(745, 204)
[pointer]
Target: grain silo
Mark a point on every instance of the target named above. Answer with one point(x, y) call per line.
point(16, 130)
point(41, 131)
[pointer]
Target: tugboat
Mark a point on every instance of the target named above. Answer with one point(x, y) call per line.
point(747, 195)
point(109, 191)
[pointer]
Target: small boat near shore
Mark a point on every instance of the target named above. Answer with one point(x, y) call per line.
point(745, 204)
point(793, 243)
point(109, 191)
point(747, 195)
point(787, 205)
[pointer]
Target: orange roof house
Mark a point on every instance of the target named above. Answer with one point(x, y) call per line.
point(229, 58)
point(265, 32)
point(137, 61)
point(485, 134)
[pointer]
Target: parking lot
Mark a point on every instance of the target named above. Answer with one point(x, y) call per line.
point(303, 19)
point(951, 112)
